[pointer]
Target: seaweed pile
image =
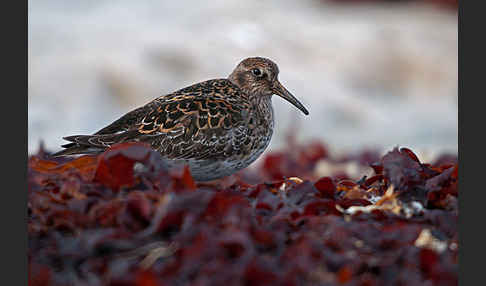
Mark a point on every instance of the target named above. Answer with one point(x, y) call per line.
point(122, 218)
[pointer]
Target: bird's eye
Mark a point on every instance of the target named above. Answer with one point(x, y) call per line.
point(257, 72)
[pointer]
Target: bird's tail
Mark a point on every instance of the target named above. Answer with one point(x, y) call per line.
point(93, 144)
point(75, 149)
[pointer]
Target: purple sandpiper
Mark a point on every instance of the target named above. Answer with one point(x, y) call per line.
point(216, 127)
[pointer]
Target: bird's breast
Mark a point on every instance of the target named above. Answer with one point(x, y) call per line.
point(259, 131)
point(233, 149)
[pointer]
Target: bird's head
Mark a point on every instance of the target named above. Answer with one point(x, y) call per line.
point(259, 77)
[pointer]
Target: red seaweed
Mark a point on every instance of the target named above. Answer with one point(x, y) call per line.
point(123, 218)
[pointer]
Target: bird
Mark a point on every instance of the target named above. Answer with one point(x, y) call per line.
point(215, 127)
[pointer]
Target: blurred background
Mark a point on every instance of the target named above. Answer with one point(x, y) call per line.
point(373, 74)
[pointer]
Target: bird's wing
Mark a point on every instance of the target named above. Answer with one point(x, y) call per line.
point(197, 122)
point(127, 122)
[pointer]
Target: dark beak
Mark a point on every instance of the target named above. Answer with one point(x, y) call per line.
point(281, 91)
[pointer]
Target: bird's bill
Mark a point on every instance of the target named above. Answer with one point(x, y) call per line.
point(281, 91)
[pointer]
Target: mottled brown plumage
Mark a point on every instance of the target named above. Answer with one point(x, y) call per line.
point(217, 127)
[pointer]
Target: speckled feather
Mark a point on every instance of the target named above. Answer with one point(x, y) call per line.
point(217, 127)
